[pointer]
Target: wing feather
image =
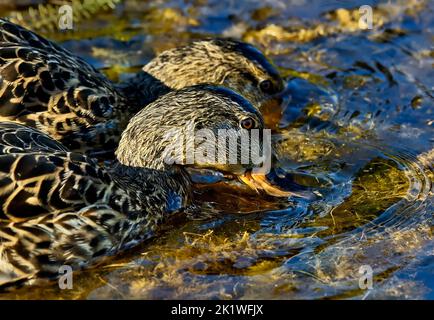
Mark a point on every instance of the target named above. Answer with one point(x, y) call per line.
point(39, 176)
point(46, 87)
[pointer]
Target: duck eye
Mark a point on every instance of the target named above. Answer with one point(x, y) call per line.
point(266, 86)
point(247, 123)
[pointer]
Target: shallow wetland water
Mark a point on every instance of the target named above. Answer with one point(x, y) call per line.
point(359, 130)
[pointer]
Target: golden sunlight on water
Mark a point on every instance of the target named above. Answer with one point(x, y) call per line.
point(357, 131)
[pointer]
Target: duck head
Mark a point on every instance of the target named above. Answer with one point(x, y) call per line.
point(202, 127)
point(233, 64)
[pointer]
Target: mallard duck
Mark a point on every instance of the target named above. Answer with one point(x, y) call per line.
point(46, 87)
point(62, 208)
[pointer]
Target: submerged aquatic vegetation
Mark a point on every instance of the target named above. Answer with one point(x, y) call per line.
point(336, 22)
point(213, 254)
point(45, 17)
point(170, 270)
point(376, 187)
point(357, 129)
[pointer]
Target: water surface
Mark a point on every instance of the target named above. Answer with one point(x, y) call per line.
point(358, 130)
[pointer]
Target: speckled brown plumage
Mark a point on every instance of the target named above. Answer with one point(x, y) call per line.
point(61, 208)
point(46, 87)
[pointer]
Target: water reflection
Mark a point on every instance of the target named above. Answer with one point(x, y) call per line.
point(358, 130)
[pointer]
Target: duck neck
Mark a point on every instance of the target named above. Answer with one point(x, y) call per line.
point(141, 90)
point(166, 191)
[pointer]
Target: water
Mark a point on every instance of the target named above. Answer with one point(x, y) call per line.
point(358, 130)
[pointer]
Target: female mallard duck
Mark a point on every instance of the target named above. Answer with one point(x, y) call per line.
point(46, 87)
point(62, 208)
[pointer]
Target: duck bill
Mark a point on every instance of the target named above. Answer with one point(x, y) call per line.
point(259, 182)
point(274, 107)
